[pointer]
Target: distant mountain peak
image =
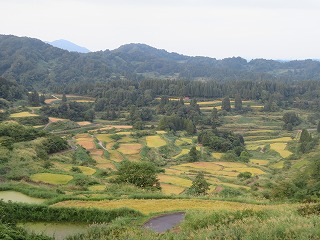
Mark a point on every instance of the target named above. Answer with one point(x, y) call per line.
point(69, 46)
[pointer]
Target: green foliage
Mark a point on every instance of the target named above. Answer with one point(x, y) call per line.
point(70, 110)
point(245, 175)
point(19, 132)
point(82, 156)
point(220, 140)
point(34, 99)
point(54, 143)
point(141, 174)
point(226, 104)
point(26, 212)
point(290, 119)
point(199, 185)
point(33, 121)
point(62, 125)
point(194, 154)
point(238, 103)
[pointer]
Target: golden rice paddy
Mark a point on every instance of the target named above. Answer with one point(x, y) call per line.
point(51, 178)
point(171, 189)
point(130, 148)
point(174, 180)
point(84, 123)
point(155, 141)
point(280, 148)
point(259, 162)
point(147, 206)
point(23, 114)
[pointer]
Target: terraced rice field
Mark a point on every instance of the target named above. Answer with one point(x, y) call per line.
point(155, 141)
point(51, 100)
point(86, 143)
point(52, 119)
point(171, 189)
point(216, 155)
point(115, 156)
point(97, 188)
point(280, 148)
point(147, 206)
point(104, 137)
point(130, 148)
point(84, 123)
point(183, 152)
point(175, 180)
point(278, 165)
point(51, 178)
point(259, 162)
point(23, 114)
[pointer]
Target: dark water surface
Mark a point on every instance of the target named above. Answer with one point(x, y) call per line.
point(164, 222)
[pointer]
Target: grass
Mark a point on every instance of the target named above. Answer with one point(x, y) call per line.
point(115, 156)
point(147, 206)
point(23, 114)
point(278, 165)
point(280, 148)
point(130, 148)
point(155, 141)
point(51, 178)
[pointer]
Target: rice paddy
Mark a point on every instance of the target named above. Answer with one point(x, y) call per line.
point(147, 206)
point(155, 141)
point(171, 189)
point(259, 162)
point(130, 148)
point(174, 180)
point(51, 178)
point(183, 152)
point(23, 114)
point(281, 149)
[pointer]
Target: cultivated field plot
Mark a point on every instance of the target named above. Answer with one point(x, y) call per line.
point(183, 152)
point(23, 114)
point(130, 148)
point(155, 141)
point(230, 169)
point(216, 155)
point(104, 137)
point(84, 123)
point(97, 187)
point(51, 100)
point(147, 206)
point(68, 167)
point(171, 189)
point(278, 165)
point(281, 149)
point(174, 180)
point(259, 162)
point(52, 119)
point(51, 178)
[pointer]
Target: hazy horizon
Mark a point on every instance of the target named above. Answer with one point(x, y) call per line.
point(218, 29)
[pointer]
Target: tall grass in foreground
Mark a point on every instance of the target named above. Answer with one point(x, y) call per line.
point(246, 224)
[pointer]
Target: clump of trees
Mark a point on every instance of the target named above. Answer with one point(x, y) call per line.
point(291, 119)
point(307, 142)
point(199, 185)
point(220, 141)
point(71, 110)
point(140, 174)
point(176, 123)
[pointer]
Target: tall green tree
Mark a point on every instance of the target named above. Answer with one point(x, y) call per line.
point(318, 127)
point(199, 185)
point(238, 103)
point(226, 105)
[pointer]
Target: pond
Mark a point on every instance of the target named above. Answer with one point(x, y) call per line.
point(19, 197)
point(164, 222)
point(58, 231)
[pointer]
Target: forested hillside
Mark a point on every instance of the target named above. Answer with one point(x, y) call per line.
point(33, 62)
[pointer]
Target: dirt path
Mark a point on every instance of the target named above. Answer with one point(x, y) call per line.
point(165, 222)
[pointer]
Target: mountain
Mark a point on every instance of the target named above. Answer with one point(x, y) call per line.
point(69, 46)
point(30, 62)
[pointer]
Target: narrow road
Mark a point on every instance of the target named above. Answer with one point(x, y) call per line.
point(165, 222)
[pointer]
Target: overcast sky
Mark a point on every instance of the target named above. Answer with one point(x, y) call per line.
point(272, 29)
